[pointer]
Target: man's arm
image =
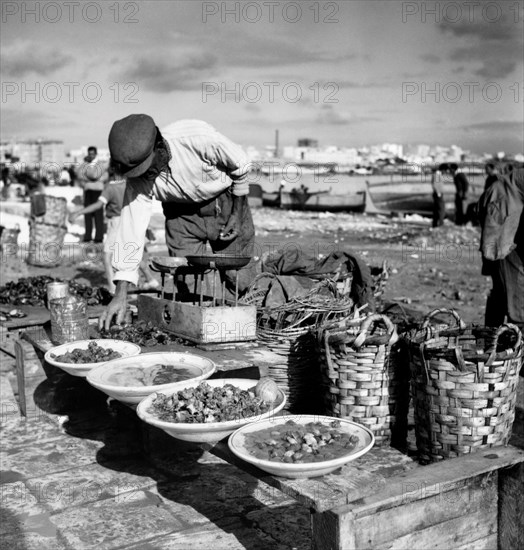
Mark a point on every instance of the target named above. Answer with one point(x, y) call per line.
point(87, 210)
point(231, 159)
point(129, 246)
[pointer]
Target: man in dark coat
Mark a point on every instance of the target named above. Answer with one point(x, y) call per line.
point(461, 192)
point(501, 214)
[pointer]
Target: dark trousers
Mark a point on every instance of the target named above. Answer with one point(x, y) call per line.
point(439, 210)
point(460, 215)
point(507, 295)
point(97, 218)
point(190, 227)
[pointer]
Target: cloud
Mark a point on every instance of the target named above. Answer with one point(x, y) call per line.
point(246, 49)
point(25, 57)
point(17, 122)
point(352, 84)
point(327, 115)
point(166, 72)
point(430, 58)
point(496, 46)
point(252, 108)
point(507, 126)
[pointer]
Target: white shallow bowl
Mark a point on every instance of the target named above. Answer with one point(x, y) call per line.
point(133, 394)
point(126, 349)
point(237, 445)
point(210, 432)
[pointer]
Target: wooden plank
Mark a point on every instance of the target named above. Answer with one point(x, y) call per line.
point(353, 481)
point(330, 533)
point(258, 358)
point(511, 508)
point(7, 340)
point(429, 480)
point(35, 315)
point(30, 374)
point(449, 534)
point(388, 525)
point(39, 315)
point(485, 543)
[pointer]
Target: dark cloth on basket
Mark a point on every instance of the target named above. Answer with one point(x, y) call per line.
point(294, 262)
point(38, 205)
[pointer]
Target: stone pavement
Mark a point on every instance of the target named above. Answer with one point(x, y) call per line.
point(83, 481)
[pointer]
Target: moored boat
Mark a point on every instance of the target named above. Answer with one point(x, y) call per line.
point(316, 202)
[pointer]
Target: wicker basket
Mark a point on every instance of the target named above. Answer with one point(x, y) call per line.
point(289, 331)
point(359, 381)
point(47, 233)
point(464, 388)
point(45, 244)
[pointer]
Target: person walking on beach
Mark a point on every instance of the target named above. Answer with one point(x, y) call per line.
point(461, 192)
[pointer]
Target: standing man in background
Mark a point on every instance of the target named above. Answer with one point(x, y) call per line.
point(92, 177)
point(439, 206)
point(461, 192)
point(501, 215)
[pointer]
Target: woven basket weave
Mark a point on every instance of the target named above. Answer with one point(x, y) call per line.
point(47, 233)
point(289, 331)
point(464, 388)
point(359, 381)
point(45, 244)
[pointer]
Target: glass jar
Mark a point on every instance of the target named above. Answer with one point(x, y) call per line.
point(69, 321)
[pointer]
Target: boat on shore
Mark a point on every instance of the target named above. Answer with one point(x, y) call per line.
point(412, 197)
point(321, 201)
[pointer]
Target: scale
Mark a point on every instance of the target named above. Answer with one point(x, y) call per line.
point(190, 312)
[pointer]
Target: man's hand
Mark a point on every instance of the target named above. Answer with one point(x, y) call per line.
point(116, 308)
point(231, 230)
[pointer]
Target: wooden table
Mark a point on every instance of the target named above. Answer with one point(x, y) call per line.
point(244, 361)
point(385, 500)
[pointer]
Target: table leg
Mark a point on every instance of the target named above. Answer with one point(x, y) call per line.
point(333, 530)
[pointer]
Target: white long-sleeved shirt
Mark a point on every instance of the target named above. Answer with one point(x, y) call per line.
point(203, 164)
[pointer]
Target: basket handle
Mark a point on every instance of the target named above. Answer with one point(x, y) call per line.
point(501, 330)
point(369, 321)
point(460, 323)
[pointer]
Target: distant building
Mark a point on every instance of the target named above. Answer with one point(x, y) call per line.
point(308, 142)
point(34, 151)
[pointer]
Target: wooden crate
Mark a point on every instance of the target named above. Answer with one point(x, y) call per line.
point(471, 502)
point(200, 324)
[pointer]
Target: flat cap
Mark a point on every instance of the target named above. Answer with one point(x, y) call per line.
point(132, 143)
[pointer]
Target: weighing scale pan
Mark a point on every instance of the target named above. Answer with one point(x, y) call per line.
point(219, 261)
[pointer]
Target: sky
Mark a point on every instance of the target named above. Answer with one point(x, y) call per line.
point(348, 73)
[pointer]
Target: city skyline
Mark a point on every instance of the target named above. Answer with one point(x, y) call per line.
point(346, 73)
